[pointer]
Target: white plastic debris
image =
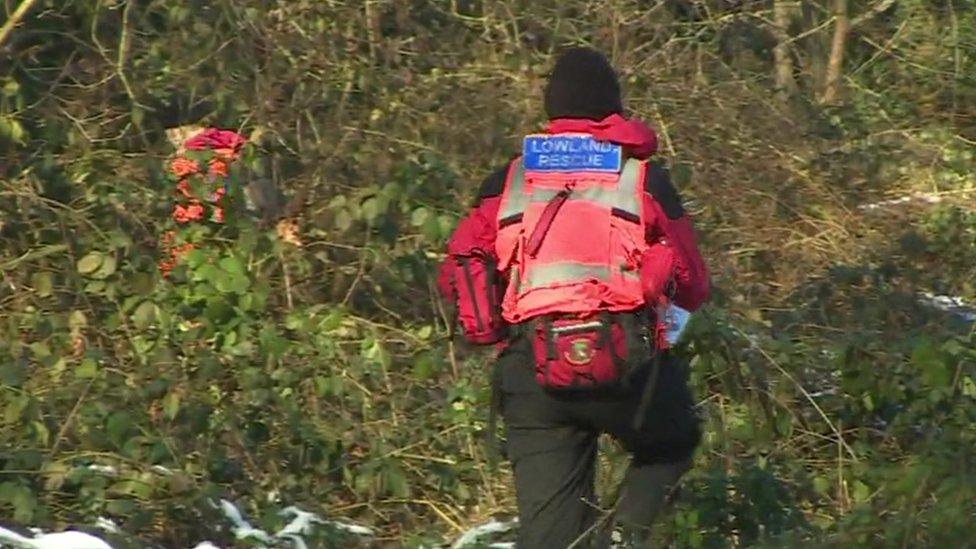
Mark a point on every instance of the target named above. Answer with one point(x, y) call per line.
point(60, 540)
point(475, 534)
point(205, 545)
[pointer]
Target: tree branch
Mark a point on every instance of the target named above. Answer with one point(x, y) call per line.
point(877, 10)
point(18, 14)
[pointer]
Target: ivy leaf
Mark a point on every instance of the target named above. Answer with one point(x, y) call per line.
point(370, 209)
point(87, 369)
point(232, 265)
point(41, 433)
point(935, 372)
point(343, 220)
point(171, 405)
point(106, 269)
point(118, 426)
point(77, 320)
point(861, 492)
point(821, 485)
point(395, 482)
point(144, 315)
point(90, 263)
point(21, 499)
point(425, 366)
point(42, 283)
point(419, 216)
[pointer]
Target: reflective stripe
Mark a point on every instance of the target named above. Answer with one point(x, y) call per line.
point(515, 199)
point(566, 272)
point(622, 196)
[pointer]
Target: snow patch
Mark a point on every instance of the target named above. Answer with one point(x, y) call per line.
point(242, 529)
point(107, 525)
point(61, 540)
point(927, 198)
point(491, 527)
point(159, 469)
point(106, 470)
point(954, 305)
point(302, 524)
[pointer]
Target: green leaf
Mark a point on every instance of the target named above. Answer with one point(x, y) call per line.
point(861, 492)
point(370, 209)
point(118, 426)
point(232, 265)
point(41, 281)
point(77, 320)
point(395, 482)
point(40, 350)
point(15, 408)
point(11, 87)
point(87, 369)
point(935, 372)
point(41, 433)
point(821, 485)
point(21, 499)
point(106, 269)
point(425, 366)
point(171, 405)
point(969, 387)
point(144, 315)
point(343, 220)
point(419, 216)
point(90, 263)
point(784, 424)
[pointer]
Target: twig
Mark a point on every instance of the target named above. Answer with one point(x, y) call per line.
point(878, 9)
point(15, 19)
point(284, 269)
point(32, 255)
point(68, 420)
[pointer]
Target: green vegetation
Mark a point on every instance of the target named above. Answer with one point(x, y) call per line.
point(841, 409)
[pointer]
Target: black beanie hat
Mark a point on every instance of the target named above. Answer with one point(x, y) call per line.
point(582, 85)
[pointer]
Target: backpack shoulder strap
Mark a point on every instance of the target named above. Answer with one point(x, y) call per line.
point(514, 199)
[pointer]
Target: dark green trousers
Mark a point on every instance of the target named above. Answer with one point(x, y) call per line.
point(551, 441)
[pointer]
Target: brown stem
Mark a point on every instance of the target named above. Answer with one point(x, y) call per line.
point(785, 81)
point(835, 66)
point(15, 19)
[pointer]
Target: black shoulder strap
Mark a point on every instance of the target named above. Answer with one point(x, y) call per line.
point(657, 183)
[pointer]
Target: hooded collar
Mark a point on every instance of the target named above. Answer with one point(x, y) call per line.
point(639, 139)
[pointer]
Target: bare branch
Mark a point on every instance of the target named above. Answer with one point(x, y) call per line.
point(15, 19)
point(877, 10)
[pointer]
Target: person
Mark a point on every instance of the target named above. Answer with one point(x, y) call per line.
point(553, 224)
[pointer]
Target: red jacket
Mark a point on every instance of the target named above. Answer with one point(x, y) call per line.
point(666, 219)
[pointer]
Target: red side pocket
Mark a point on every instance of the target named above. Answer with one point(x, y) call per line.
point(478, 296)
point(578, 354)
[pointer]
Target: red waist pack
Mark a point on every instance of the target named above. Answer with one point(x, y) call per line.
point(589, 352)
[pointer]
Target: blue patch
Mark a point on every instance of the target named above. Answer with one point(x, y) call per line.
point(570, 153)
